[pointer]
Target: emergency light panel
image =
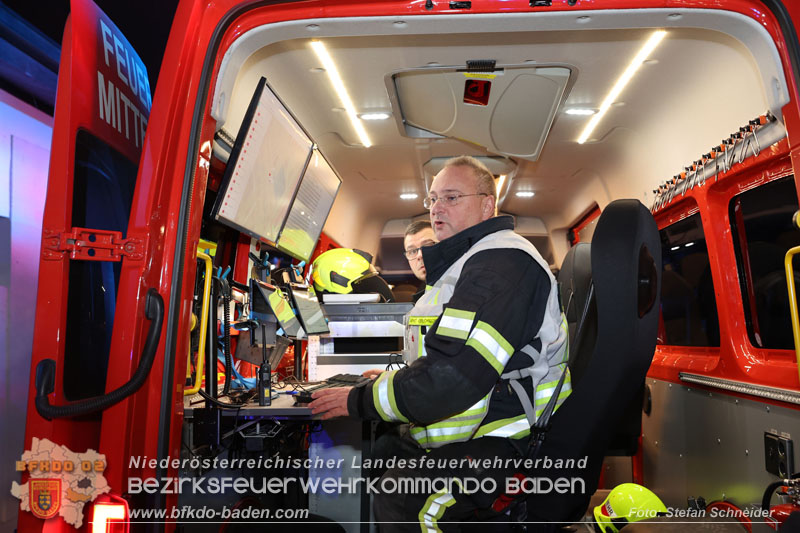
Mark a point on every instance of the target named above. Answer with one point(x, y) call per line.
point(476, 92)
point(264, 170)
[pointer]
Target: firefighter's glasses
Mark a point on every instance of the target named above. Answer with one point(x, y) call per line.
point(411, 253)
point(447, 200)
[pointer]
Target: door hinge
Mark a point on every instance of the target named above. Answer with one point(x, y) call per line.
point(91, 245)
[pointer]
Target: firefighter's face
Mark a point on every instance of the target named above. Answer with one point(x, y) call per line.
point(416, 242)
point(459, 205)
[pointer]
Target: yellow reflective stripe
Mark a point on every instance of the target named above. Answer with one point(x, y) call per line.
point(436, 297)
point(449, 424)
point(434, 508)
point(439, 438)
point(545, 390)
point(476, 410)
point(561, 397)
point(458, 313)
point(383, 398)
point(458, 427)
point(518, 426)
point(508, 427)
point(543, 396)
point(455, 323)
point(421, 320)
point(491, 345)
point(445, 428)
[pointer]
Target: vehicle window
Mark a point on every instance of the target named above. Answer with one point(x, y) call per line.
point(583, 230)
point(688, 304)
point(761, 223)
point(102, 196)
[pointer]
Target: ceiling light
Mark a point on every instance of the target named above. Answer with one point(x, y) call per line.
point(623, 80)
point(374, 116)
point(580, 111)
point(409, 196)
point(525, 194)
point(341, 90)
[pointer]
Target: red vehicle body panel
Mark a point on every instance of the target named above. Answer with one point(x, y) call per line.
point(94, 52)
point(736, 358)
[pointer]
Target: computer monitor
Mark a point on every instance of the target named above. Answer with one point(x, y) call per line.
point(310, 208)
point(278, 304)
point(264, 169)
point(309, 311)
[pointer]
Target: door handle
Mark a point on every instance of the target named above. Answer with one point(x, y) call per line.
point(46, 372)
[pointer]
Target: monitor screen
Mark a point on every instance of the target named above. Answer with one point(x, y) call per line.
point(310, 208)
point(278, 305)
point(310, 312)
point(264, 170)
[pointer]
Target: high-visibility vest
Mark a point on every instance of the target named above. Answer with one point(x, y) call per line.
point(547, 364)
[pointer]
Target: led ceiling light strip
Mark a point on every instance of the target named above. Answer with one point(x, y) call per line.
point(341, 90)
point(623, 80)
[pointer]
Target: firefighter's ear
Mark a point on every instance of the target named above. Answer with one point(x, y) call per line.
point(488, 207)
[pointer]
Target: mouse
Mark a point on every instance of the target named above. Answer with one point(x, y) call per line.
point(302, 397)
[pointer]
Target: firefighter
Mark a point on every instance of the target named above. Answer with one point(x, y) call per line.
point(494, 350)
point(419, 234)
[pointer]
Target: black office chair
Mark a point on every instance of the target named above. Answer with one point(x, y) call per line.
point(575, 282)
point(580, 308)
point(609, 361)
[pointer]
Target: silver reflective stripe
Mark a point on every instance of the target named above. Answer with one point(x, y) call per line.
point(383, 397)
point(493, 351)
point(510, 429)
point(457, 428)
point(433, 510)
point(451, 326)
point(434, 431)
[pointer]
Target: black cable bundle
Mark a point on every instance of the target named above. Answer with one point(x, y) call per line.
point(226, 334)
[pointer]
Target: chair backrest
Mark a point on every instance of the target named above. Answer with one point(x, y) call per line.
point(575, 280)
point(626, 270)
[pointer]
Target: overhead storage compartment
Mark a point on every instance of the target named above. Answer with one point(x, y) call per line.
point(508, 110)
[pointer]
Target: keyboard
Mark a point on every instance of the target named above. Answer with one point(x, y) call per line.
point(347, 379)
point(339, 380)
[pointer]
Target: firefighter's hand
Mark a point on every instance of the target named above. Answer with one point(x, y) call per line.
point(373, 373)
point(330, 403)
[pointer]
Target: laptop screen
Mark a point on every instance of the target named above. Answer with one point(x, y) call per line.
point(272, 297)
point(310, 312)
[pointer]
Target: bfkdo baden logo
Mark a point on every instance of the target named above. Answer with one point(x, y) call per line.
point(61, 481)
point(44, 497)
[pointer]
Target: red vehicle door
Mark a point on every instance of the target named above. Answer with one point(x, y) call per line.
point(98, 322)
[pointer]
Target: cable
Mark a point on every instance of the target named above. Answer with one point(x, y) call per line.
point(771, 488)
point(218, 403)
point(395, 359)
point(247, 383)
point(226, 333)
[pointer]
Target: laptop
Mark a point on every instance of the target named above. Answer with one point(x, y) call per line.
point(308, 311)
